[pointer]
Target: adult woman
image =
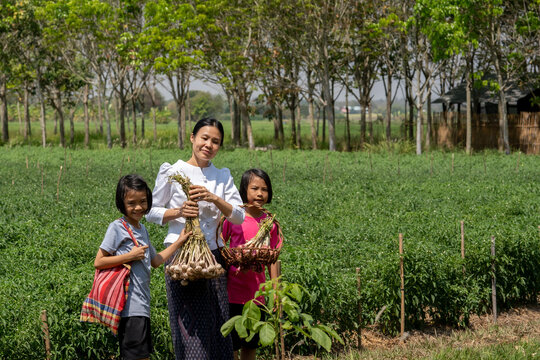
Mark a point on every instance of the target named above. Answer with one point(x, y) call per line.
point(197, 311)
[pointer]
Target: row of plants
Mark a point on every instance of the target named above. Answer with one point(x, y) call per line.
point(339, 211)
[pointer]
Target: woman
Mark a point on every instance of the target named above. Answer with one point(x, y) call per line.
point(197, 311)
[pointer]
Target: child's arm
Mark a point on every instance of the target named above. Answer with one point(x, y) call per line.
point(163, 255)
point(104, 260)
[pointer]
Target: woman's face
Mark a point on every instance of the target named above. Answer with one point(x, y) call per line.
point(206, 143)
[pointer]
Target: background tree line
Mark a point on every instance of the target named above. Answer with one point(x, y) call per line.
point(103, 53)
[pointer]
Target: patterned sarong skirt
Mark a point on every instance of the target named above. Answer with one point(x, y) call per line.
point(196, 313)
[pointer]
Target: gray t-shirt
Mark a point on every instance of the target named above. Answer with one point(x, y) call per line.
point(117, 241)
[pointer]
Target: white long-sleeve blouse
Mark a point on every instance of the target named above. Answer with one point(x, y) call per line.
point(168, 195)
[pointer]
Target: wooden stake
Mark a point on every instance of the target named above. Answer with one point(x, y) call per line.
point(358, 288)
point(402, 276)
point(493, 281)
point(58, 183)
point(463, 244)
point(46, 337)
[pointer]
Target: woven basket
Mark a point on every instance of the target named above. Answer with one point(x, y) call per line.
point(251, 258)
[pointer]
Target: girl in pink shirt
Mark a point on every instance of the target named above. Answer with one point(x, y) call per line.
point(255, 191)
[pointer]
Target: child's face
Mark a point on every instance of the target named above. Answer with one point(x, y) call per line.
point(257, 192)
point(136, 204)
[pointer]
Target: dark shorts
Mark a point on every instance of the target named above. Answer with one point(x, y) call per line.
point(238, 342)
point(134, 338)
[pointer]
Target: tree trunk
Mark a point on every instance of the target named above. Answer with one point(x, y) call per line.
point(243, 100)
point(86, 117)
point(347, 123)
point(121, 120)
point(134, 118)
point(428, 122)
point(298, 126)
point(4, 109)
point(41, 109)
point(388, 107)
point(280, 124)
point(293, 122)
point(468, 90)
point(27, 122)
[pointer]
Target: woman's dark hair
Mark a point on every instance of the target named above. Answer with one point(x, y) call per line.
point(131, 182)
point(246, 178)
point(209, 122)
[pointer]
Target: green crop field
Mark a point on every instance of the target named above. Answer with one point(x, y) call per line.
point(339, 211)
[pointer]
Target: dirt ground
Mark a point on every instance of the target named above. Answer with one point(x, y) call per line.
point(513, 325)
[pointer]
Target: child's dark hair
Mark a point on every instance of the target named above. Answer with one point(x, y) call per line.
point(131, 182)
point(246, 178)
point(209, 122)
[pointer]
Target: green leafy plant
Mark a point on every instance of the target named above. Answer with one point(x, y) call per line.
point(284, 315)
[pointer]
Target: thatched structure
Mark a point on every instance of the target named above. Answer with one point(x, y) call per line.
point(523, 119)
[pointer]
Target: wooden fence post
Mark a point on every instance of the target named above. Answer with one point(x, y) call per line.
point(493, 281)
point(45, 328)
point(401, 271)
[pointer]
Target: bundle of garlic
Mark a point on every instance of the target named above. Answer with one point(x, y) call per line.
point(256, 253)
point(193, 260)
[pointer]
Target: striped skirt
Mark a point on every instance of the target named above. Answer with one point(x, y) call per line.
point(196, 313)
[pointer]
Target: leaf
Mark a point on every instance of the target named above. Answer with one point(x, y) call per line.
point(240, 329)
point(229, 325)
point(321, 338)
point(267, 334)
point(296, 292)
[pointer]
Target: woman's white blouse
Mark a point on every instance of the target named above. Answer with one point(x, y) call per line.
point(167, 195)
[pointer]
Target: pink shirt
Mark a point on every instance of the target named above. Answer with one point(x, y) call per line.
point(242, 285)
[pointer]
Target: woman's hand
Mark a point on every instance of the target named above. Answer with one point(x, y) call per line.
point(200, 193)
point(189, 209)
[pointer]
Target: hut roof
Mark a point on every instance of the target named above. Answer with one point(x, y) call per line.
point(457, 95)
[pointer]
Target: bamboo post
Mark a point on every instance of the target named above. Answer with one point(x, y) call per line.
point(493, 281)
point(358, 288)
point(46, 337)
point(402, 284)
point(58, 183)
point(463, 244)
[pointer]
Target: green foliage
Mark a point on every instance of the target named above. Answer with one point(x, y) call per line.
point(283, 311)
point(339, 211)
